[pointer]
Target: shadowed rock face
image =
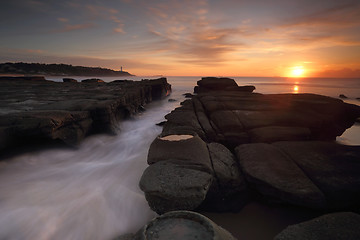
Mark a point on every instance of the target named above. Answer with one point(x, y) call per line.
point(336, 226)
point(39, 110)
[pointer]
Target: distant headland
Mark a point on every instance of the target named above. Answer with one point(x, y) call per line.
point(57, 70)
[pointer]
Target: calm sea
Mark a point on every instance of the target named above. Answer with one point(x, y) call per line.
point(92, 193)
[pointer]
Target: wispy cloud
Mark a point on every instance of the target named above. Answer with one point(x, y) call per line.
point(190, 35)
point(74, 27)
point(343, 15)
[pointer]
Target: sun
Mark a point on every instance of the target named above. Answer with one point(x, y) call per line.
point(297, 71)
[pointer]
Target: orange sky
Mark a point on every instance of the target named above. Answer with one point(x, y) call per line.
point(304, 38)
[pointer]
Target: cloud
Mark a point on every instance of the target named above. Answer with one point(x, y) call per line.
point(186, 33)
point(63, 20)
point(340, 73)
point(74, 27)
point(344, 15)
point(13, 55)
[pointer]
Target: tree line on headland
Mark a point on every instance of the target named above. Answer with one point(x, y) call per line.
point(57, 69)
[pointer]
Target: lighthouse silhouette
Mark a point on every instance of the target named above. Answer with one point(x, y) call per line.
point(121, 69)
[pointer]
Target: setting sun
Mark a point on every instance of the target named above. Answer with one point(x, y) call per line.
point(297, 71)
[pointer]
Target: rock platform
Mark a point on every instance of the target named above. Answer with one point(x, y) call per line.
point(33, 109)
point(227, 145)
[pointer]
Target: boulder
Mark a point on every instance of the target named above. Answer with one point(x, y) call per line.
point(275, 176)
point(192, 150)
point(335, 226)
point(214, 84)
point(181, 225)
point(174, 185)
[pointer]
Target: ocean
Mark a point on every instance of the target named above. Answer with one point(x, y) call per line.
point(92, 192)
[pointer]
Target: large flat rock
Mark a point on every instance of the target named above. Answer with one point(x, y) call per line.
point(276, 176)
point(35, 109)
point(312, 174)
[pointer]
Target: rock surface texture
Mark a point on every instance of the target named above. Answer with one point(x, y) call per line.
point(181, 225)
point(336, 226)
point(242, 145)
point(34, 109)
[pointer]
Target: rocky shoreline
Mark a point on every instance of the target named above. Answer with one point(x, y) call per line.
point(34, 109)
point(227, 146)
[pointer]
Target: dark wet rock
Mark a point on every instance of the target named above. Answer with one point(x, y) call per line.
point(333, 168)
point(342, 96)
point(41, 110)
point(335, 226)
point(92, 80)
point(181, 225)
point(172, 100)
point(277, 177)
point(70, 80)
point(161, 123)
point(214, 84)
point(183, 118)
point(312, 174)
point(248, 89)
point(188, 95)
point(175, 184)
point(228, 191)
point(239, 118)
point(225, 118)
point(160, 88)
point(187, 148)
point(279, 133)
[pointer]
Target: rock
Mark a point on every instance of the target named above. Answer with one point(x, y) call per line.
point(92, 80)
point(214, 84)
point(174, 184)
point(228, 191)
point(181, 225)
point(192, 150)
point(172, 100)
point(313, 174)
point(238, 118)
point(248, 89)
point(69, 80)
point(333, 168)
point(188, 95)
point(335, 226)
point(273, 174)
point(38, 111)
point(160, 123)
point(278, 133)
point(160, 88)
point(342, 96)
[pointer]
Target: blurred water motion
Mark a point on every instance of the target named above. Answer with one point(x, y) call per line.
point(89, 193)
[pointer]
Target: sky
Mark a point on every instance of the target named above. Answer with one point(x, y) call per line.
point(289, 38)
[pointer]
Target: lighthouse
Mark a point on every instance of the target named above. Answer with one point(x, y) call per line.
point(121, 69)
